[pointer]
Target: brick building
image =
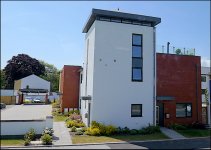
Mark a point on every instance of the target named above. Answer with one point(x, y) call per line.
point(178, 89)
point(69, 87)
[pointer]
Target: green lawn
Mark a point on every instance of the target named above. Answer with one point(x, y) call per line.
point(12, 142)
point(59, 118)
point(117, 138)
point(195, 132)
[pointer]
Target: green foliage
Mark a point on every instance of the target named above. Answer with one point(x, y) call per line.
point(71, 123)
point(74, 112)
point(46, 139)
point(26, 142)
point(93, 131)
point(56, 104)
point(79, 133)
point(21, 66)
point(30, 135)
point(125, 130)
point(48, 131)
point(3, 79)
point(178, 51)
point(176, 126)
point(149, 130)
point(134, 132)
point(110, 130)
point(52, 75)
point(73, 129)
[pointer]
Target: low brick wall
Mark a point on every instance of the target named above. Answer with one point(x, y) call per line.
point(8, 100)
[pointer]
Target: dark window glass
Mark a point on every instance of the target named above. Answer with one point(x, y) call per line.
point(136, 110)
point(137, 62)
point(137, 39)
point(183, 110)
point(203, 78)
point(137, 74)
point(137, 51)
point(203, 91)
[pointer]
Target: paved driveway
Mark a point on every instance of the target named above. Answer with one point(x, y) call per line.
point(26, 112)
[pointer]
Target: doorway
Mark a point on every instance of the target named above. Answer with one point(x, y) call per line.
point(160, 114)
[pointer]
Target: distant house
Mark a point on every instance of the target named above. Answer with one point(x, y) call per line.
point(31, 85)
point(69, 87)
point(178, 89)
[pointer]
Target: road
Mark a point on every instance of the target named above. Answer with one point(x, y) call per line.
point(196, 143)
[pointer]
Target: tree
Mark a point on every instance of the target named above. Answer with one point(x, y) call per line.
point(21, 66)
point(3, 82)
point(178, 51)
point(51, 75)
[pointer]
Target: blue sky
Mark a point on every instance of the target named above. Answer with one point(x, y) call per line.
point(52, 30)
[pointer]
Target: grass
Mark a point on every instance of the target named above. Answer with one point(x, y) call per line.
point(116, 138)
point(195, 132)
point(12, 142)
point(59, 118)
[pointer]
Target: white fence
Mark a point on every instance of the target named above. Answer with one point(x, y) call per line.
point(20, 127)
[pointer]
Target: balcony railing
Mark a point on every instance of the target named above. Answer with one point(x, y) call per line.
point(175, 50)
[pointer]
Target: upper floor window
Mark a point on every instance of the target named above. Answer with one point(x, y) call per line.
point(137, 57)
point(203, 78)
point(203, 91)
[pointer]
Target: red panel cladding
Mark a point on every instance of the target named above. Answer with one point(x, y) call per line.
point(69, 85)
point(178, 76)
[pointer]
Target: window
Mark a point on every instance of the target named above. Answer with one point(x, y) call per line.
point(203, 78)
point(81, 78)
point(184, 110)
point(136, 110)
point(137, 58)
point(203, 91)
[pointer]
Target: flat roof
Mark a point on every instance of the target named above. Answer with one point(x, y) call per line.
point(117, 14)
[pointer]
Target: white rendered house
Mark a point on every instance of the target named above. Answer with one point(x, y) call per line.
point(118, 77)
point(206, 85)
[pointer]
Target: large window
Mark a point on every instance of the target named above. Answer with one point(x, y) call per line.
point(136, 110)
point(184, 110)
point(137, 57)
point(203, 78)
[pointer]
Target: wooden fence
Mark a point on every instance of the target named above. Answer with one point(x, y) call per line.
point(8, 100)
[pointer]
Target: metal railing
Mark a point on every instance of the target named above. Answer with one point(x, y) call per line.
point(175, 50)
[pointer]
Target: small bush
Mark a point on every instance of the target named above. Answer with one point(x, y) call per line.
point(149, 130)
point(48, 131)
point(125, 130)
point(30, 135)
point(74, 112)
point(110, 130)
point(176, 126)
point(197, 125)
point(93, 131)
point(46, 139)
point(71, 123)
point(134, 132)
point(26, 142)
point(75, 117)
point(73, 129)
point(84, 129)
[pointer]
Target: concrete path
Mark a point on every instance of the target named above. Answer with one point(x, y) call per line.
point(171, 133)
point(61, 134)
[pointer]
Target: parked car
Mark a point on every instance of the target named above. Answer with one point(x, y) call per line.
point(28, 99)
point(2, 106)
point(37, 100)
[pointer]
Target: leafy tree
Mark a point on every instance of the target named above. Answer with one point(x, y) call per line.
point(51, 75)
point(21, 66)
point(178, 51)
point(3, 82)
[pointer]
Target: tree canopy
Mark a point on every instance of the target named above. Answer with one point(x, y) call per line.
point(21, 66)
point(3, 83)
point(51, 75)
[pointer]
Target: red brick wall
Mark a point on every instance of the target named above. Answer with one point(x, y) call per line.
point(69, 87)
point(177, 77)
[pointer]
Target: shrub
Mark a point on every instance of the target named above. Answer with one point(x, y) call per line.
point(93, 131)
point(149, 130)
point(109, 130)
point(84, 129)
point(75, 117)
point(125, 130)
point(197, 125)
point(176, 126)
point(26, 142)
point(73, 129)
point(134, 132)
point(79, 133)
point(74, 112)
point(46, 139)
point(119, 130)
point(48, 131)
point(71, 123)
point(30, 135)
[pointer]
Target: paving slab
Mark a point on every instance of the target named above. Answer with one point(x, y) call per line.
point(171, 133)
point(61, 134)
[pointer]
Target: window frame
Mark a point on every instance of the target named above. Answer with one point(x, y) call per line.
point(186, 104)
point(141, 115)
point(141, 58)
point(203, 91)
point(203, 76)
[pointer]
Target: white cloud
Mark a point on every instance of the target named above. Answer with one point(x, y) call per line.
point(205, 62)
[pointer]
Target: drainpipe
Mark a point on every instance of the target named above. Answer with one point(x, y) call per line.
point(154, 77)
point(197, 118)
point(168, 47)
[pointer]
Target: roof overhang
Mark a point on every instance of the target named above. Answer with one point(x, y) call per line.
point(116, 14)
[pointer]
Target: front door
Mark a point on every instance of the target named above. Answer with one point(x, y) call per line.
point(161, 114)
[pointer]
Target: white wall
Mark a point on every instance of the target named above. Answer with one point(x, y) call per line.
point(20, 128)
point(7, 92)
point(109, 82)
point(35, 82)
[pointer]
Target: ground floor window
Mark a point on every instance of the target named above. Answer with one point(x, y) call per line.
point(183, 110)
point(136, 110)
